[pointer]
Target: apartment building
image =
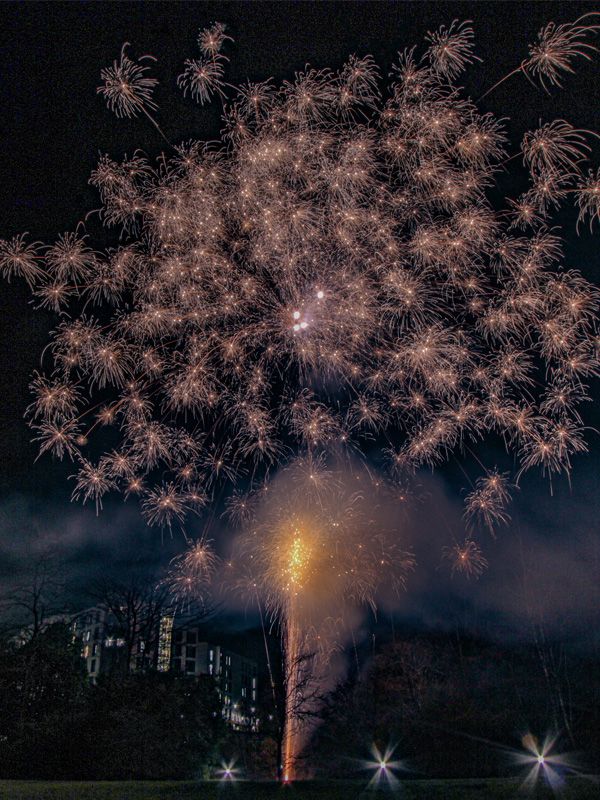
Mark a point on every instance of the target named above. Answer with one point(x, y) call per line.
point(175, 644)
point(236, 675)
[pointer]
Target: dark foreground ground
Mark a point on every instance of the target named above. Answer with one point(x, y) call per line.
point(573, 789)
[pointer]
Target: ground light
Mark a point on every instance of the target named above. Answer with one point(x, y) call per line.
point(383, 767)
point(542, 761)
point(228, 772)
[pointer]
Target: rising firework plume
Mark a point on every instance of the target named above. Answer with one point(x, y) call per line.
point(329, 274)
point(314, 551)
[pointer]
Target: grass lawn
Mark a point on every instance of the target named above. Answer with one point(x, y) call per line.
point(574, 789)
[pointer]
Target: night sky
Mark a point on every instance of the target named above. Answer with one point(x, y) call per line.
point(545, 564)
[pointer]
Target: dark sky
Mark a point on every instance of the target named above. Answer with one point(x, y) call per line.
point(54, 126)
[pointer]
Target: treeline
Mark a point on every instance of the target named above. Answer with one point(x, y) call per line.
point(450, 706)
point(458, 707)
point(54, 723)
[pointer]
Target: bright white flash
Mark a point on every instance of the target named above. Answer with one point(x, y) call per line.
point(228, 772)
point(383, 767)
point(542, 762)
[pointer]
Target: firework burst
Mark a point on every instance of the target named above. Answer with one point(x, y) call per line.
point(466, 558)
point(329, 275)
point(190, 573)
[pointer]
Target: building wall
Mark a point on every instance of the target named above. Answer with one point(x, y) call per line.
point(236, 676)
point(90, 628)
point(180, 650)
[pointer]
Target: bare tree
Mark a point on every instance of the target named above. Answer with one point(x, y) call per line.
point(134, 609)
point(298, 706)
point(36, 595)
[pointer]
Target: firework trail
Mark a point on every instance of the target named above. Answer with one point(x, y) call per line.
point(312, 552)
point(330, 275)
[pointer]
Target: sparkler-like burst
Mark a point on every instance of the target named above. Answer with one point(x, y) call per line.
point(190, 573)
point(466, 558)
point(314, 549)
point(330, 539)
point(330, 274)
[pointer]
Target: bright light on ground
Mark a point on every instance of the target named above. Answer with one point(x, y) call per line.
point(383, 766)
point(228, 772)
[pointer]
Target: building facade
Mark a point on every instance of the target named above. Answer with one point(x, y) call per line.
point(90, 628)
point(236, 675)
point(177, 646)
